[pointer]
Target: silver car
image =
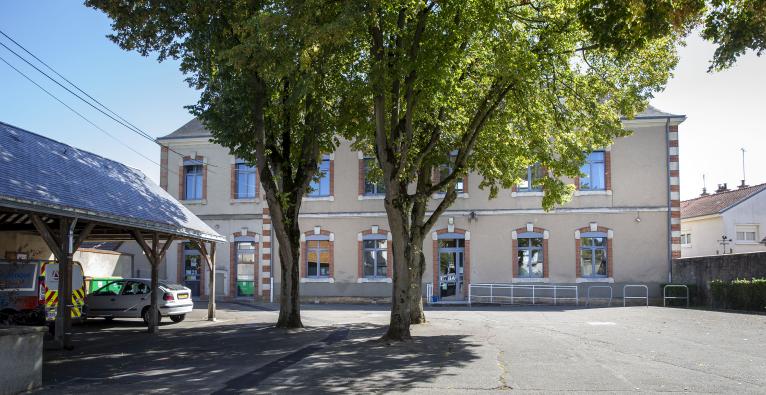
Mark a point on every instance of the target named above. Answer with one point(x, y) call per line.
point(131, 298)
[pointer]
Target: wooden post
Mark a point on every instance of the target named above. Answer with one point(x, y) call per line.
point(211, 300)
point(63, 313)
point(154, 254)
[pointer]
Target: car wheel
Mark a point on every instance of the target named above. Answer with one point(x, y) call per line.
point(177, 318)
point(145, 315)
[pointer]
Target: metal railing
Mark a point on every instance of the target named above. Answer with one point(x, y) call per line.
point(625, 296)
point(509, 293)
point(665, 296)
point(609, 287)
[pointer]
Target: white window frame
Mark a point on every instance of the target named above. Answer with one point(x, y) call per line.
point(746, 228)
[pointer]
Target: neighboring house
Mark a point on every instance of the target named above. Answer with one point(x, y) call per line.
point(622, 225)
point(739, 215)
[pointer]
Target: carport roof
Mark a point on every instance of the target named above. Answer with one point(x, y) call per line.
point(41, 175)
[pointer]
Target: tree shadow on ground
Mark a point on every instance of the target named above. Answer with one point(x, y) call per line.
point(247, 357)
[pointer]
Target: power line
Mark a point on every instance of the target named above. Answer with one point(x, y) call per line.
point(83, 117)
point(117, 118)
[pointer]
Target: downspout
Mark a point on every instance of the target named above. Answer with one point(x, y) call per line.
point(670, 202)
point(271, 284)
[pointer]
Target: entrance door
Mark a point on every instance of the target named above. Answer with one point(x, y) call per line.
point(192, 268)
point(451, 268)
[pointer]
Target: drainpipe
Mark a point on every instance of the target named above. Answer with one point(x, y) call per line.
point(670, 202)
point(271, 282)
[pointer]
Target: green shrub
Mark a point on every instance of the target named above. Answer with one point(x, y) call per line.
point(740, 294)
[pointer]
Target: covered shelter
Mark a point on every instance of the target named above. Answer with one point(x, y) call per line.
point(67, 196)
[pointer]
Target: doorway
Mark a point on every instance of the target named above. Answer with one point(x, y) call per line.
point(192, 269)
point(451, 268)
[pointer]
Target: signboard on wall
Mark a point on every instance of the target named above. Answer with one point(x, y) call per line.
point(17, 276)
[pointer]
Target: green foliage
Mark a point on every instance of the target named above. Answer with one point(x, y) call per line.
point(740, 294)
point(735, 26)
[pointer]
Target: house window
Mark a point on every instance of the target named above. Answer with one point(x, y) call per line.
point(193, 172)
point(374, 260)
point(747, 234)
point(318, 257)
point(245, 180)
point(447, 168)
point(320, 186)
point(593, 255)
point(534, 173)
point(593, 172)
point(246, 258)
point(530, 255)
point(686, 238)
point(371, 187)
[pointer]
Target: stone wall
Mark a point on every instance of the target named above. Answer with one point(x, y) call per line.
point(701, 270)
point(21, 364)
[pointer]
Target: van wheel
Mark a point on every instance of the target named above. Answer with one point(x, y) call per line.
point(145, 315)
point(177, 318)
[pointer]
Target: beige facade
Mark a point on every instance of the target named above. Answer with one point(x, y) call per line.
point(637, 213)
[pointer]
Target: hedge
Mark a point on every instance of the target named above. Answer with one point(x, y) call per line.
point(739, 294)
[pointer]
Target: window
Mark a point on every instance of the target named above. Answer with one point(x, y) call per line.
point(374, 260)
point(193, 173)
point(593, 255)
point(530, 255)
point(372, 187)
point(747, 233)
point(534, 173)
point(686, 238)
point(593, 172)
point(245, 180)
point(446, 169)
point(318, 257)
point(136, 288)
point(320, 186)
point(246, 257)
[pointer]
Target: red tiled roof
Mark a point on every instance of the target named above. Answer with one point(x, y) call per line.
point(717, 202)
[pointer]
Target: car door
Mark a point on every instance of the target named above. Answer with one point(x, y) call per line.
point(134, 297)
point(103, 301)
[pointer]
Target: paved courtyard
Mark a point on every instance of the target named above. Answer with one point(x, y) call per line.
point(460, 350)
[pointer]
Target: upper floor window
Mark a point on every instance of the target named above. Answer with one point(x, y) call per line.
point(447, 168)
point(372, 187)
point(375, 248)
point(245, 184)
point(530, 255)
point(534, 173)
point(686, 238)
point(193, 173)
point(320, 186)
point(593, 254)
point(318, 256)
point(592, 176)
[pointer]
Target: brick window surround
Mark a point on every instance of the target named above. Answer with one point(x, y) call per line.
point(233, 264)
point(515, 250)
point(607, 172)
point(466, 259)
point(234, 180)
point(609, 254)
point(304, 255)
point(360, 253)
point(182, 177)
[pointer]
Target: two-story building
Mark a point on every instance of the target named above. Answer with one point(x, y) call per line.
point(621, 226)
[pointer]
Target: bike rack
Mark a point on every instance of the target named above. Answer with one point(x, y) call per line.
point(430, 294)
point(587, 303)
point(665, 296)
point(625, 288)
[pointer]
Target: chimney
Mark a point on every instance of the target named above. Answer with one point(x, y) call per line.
point(722, 188)
point(743, 185)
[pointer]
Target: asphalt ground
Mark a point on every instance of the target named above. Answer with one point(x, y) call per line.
point(532, 349)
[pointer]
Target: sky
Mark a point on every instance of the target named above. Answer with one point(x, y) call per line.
point(722, 108)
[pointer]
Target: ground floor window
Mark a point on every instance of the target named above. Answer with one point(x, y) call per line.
point(246, 264)
point(375, 248)
point(318, 257)
point(593, 255)
point(529, 259)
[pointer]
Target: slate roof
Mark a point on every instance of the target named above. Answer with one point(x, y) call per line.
point(718, 202)
point(43, 175)
point(194, 128)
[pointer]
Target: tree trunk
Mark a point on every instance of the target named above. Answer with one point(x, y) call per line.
point(417, 316)
point(399, 326)
point(289, 259)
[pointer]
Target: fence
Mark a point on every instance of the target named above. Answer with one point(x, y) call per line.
point(524, 293)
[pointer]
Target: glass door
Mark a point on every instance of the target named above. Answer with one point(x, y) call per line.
point(192, 269)
point(451, 268)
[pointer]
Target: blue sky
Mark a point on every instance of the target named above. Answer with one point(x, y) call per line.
point(723, 109)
